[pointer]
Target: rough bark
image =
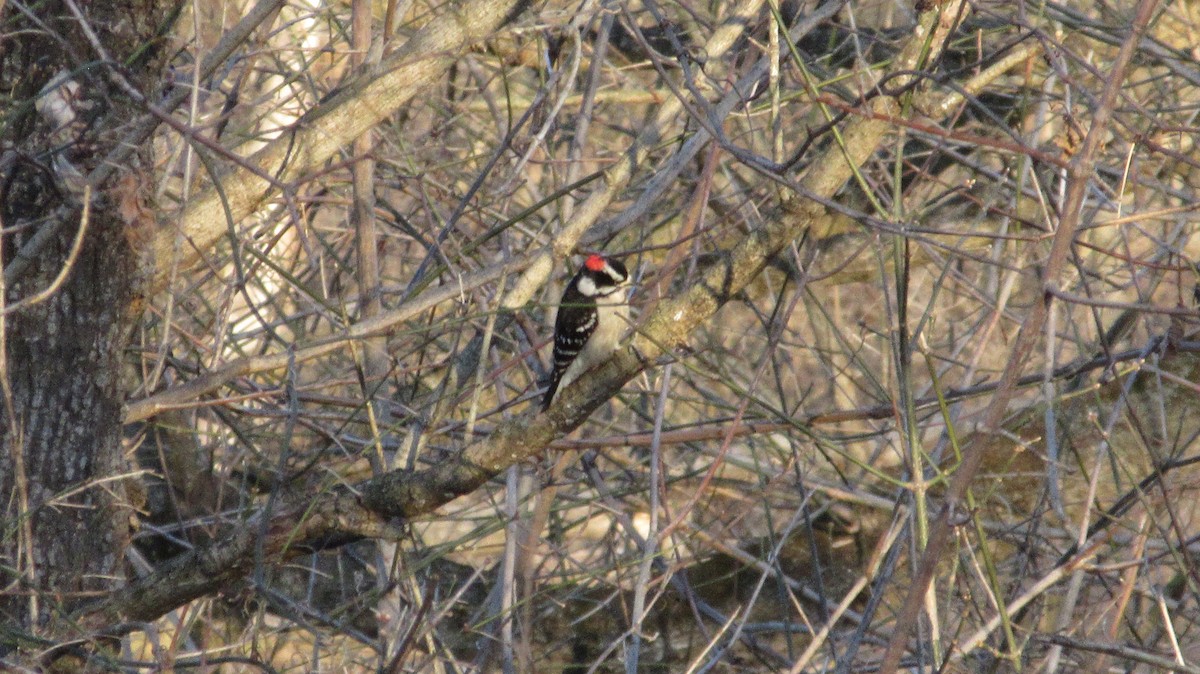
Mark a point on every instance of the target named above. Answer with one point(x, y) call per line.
point(66, 515)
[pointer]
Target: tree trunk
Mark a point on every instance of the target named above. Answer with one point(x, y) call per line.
point(66, 513)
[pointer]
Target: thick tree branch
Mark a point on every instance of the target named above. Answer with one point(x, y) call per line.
point(357, 107)
point(671, 323)
point(366, 510)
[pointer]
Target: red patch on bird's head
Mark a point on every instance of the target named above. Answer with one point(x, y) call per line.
point(594, 262)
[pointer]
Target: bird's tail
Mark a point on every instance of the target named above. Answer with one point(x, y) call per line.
point(551, 390)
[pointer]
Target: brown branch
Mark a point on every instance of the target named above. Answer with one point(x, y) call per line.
point(293, 527)
point(186, 395)
point(1161, 661)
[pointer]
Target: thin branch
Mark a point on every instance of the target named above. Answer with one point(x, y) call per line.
point(68, 264)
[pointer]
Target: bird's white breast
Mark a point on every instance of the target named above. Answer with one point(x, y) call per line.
point(612, 315)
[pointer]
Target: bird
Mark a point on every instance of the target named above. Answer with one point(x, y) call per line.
point(592, 316)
